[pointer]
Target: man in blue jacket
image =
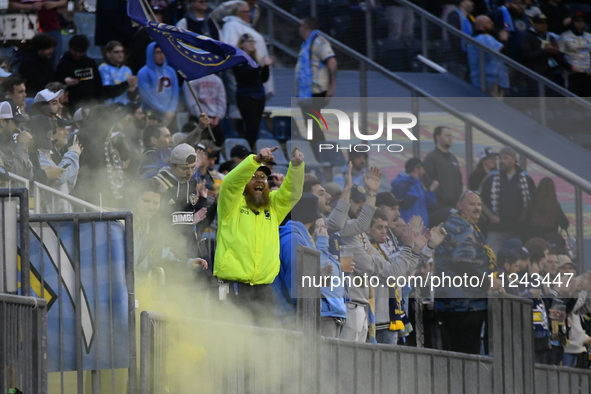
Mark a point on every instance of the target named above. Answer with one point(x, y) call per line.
point(306, 222)
point(408, 187)
point(158, 85)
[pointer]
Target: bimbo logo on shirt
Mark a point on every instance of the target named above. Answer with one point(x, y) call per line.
point(183, 218)
point(345, 129)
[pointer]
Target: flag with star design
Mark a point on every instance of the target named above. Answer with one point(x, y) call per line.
point(192, 55)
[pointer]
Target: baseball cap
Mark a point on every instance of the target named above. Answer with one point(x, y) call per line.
point(80, 114)
point(486, 152)
point(208, 147)
point(306, 210)
point(6, 113)
point(48, 95)
point(539, 18)
point(265, 169)
point(357, 193)
point(239, 151)
point(388, 199)
point(512, 243)
point(42, 131)
point(564, 260)
point(507, 256)
point(411, 164)
point(183, 154)
point(522, 252)
point(579, 15)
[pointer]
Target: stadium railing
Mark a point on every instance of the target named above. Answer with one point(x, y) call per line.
point(45, 199)
point(23, 344)
point(276, 360)
point(80, 265)
point(574, 192)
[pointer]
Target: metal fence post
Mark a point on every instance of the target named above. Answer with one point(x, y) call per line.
point(542, 95)
point(482, 66)
point(424, 40)
point(145, 347)
point(78, 298)
point(469, 149)
point(580, 228)
point(37, 194)
point(308, 315)
point(416, 145)
point(270, 31)
point(130, 281)
point(368, 30)
point(24, 243)
point(363, 95)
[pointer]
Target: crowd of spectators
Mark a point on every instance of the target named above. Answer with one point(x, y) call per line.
point(107, 134)
point(547, 37)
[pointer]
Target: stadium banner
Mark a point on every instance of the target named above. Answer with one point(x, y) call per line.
point(104, 303)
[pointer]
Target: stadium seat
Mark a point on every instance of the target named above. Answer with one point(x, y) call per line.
point(336, 171)
point(332, 156)
point(280, 158)
point(264, 131)
point(282, 127)
point(181, 119)
point(306, 149)
point(85, 22)
point(280, 169)
point(228, 128)
point(232, 142)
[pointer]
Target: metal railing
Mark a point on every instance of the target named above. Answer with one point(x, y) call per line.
point(48, 200)
point(82, 264)
point(11, 235)
point(287, 362)
point(23, 344)
point(470, 123)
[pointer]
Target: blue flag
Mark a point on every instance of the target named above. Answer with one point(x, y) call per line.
point(104, 309)
point(194, 56)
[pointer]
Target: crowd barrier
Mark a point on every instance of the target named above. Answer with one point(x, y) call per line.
point(322, 365)
point(80, 266)
point(23, 344)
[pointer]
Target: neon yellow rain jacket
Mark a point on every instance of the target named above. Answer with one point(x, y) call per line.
point(248, 244)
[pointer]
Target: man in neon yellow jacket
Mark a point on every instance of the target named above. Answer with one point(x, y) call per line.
point(247, 255)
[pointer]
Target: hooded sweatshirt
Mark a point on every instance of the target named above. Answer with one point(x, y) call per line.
point(86, 71)
point(416, 198)
point(158, 85)
point(37, 71)
point(182, 202)
point(332, 303)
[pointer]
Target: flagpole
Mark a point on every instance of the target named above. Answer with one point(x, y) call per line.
point(198, 104)
point(146, 5)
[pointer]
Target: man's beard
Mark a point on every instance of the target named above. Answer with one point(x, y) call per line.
point(256, 203)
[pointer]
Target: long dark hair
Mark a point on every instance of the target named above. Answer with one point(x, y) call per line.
point(544, 208)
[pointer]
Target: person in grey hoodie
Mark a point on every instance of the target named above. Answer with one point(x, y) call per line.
point(367, 259)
